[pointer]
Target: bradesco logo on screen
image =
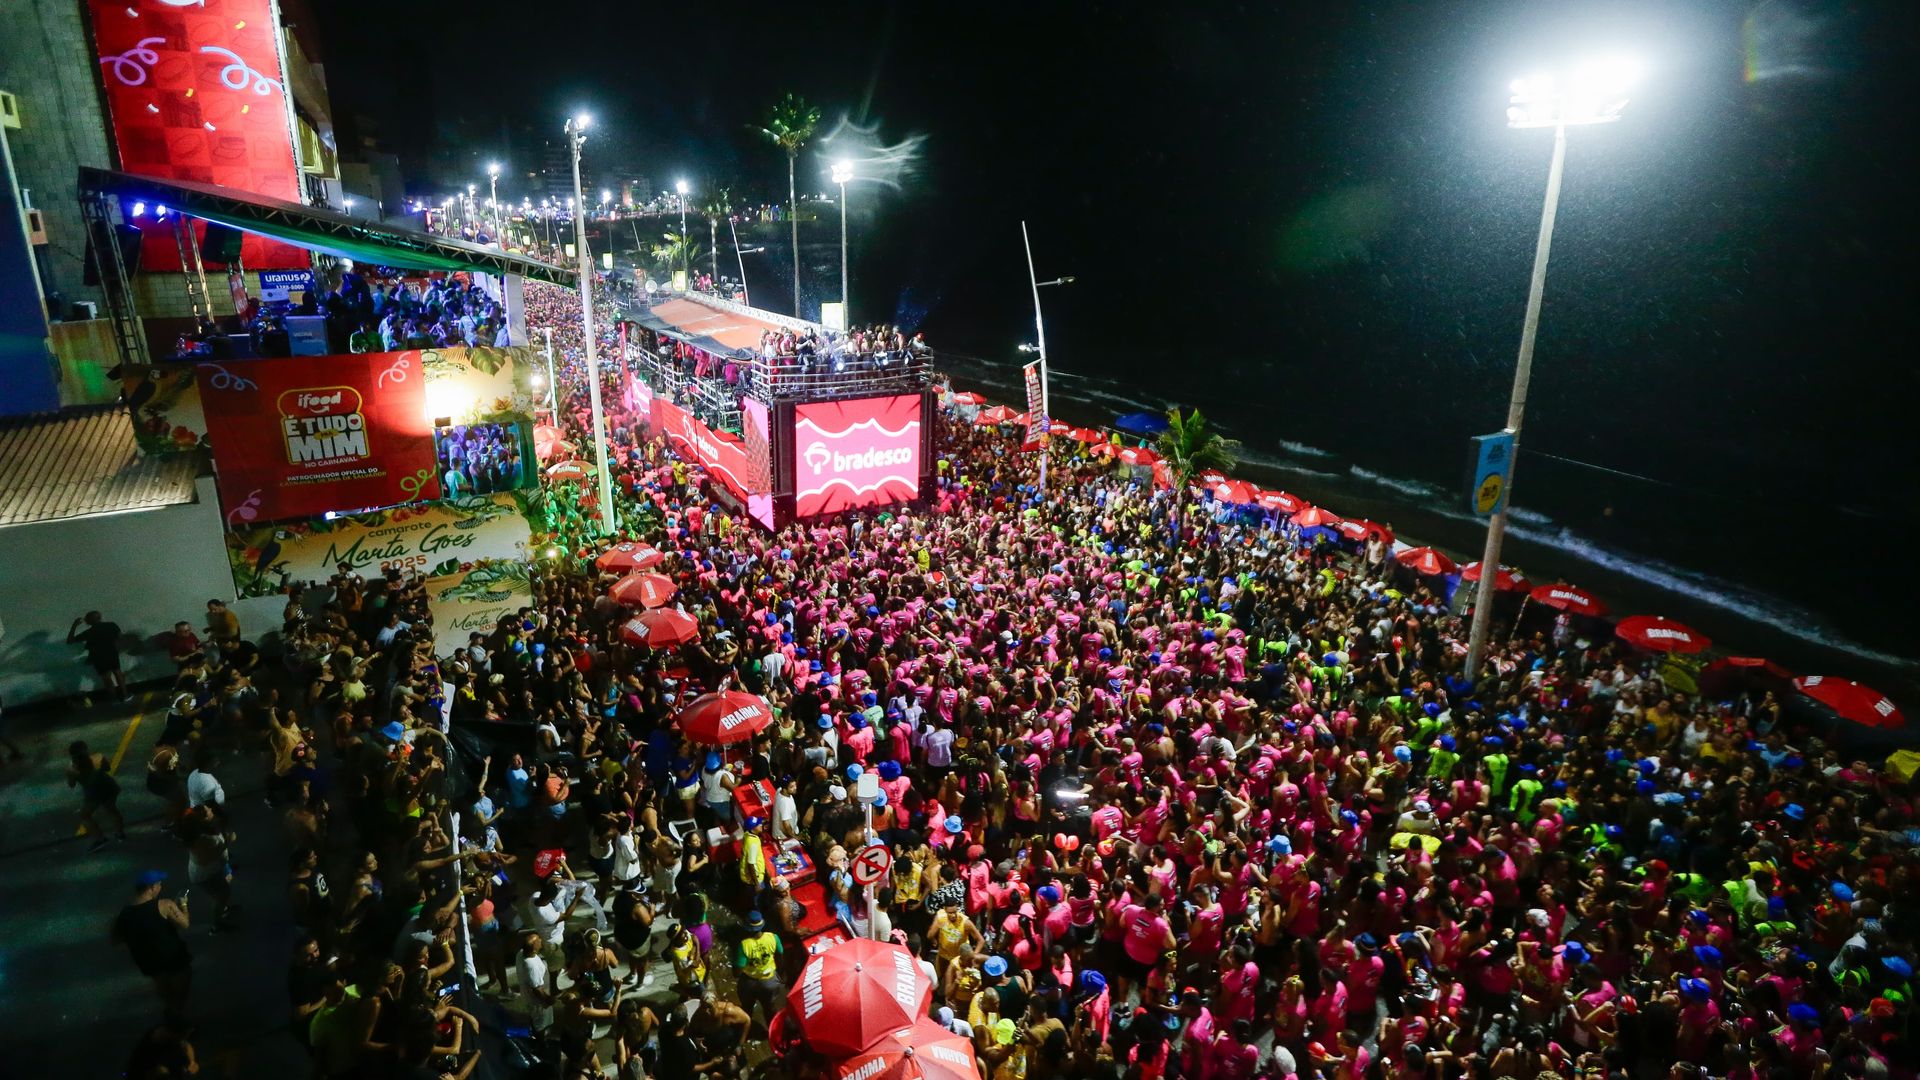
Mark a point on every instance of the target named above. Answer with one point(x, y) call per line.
point(856, 453)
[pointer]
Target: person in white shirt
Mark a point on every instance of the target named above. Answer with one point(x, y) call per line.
point(203, 787)
point(536, 986)
point(774, 664)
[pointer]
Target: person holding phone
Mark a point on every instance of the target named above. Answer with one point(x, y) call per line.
point(153, 928)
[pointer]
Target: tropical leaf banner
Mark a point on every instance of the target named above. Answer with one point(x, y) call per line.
point(475, 598)
point(448, 537)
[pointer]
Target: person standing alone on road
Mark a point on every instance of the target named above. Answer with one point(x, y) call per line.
point(99, 795)
point(102, 640)
point(151, 927)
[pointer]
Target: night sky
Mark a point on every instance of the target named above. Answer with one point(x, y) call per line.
point(1314, 213)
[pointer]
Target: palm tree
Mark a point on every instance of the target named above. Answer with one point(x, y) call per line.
point(675, 251)
point(1190, 446)
point(718, 204)
point(790, 127)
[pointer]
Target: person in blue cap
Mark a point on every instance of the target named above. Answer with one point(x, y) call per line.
point(152, 928)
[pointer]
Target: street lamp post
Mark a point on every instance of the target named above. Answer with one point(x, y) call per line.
point(577, 137)
point(1594, 94)
point(740, 256)
point(1040, 337)
point(553, 393)
point(843, 172)
point(686, 271)
point(493, 196)
point(867, 790)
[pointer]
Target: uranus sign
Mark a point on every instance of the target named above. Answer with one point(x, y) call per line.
point(852, 454)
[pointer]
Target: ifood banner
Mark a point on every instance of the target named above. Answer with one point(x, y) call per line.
point(851, 454)
point(299, 436)
point(474, 600)
point(448, 537)
point(195, 91)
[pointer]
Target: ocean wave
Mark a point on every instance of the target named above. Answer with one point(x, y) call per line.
point(1418, 489)
point(1715, 592)
point(1299, 449)
point(1526, 516)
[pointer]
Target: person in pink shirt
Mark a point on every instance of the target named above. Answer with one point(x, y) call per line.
point(1145, 937)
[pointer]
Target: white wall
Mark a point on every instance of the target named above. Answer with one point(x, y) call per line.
point(145, 570)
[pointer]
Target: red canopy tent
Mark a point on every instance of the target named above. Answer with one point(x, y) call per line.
point(1656, 634)
point(857, 993)
point(1425, 560)
point(1861, 704)
point(727, 717)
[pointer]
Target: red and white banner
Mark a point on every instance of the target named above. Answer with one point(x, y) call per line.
point(303, 435)
point(195, 91)
point(721, 454)
point(851, 454)
point(1036, 405)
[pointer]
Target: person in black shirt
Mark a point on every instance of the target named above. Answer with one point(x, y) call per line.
point(102, 640)
point(151, 927)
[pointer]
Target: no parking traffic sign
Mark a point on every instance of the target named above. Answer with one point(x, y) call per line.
point(872, 864)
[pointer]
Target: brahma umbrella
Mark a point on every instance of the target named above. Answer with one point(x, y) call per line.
point(569, 470)
point(1425, 560)
point(724, 718)
point(1730, 673)
point(1210, 477)
point(659, 629)
point(996, 415)
point(1237, 492)
point(1086, 435)
point(1657, 634)
point(628, 556)
point(547, 440)
point(1851, 701)
point(968, 397)
point(1568, 598)
point(1281, 502)
point(643, 590)
point(1361, 528)
point(1507, 580)
point(925, 1051)
point(1313, 517)
point(1138, 455)
point(856, 993)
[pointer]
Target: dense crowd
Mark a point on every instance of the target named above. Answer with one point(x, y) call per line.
point(1170, 796)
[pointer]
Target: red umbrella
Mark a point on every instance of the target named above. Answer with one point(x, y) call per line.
point(1361, 528)
point(629, 556)
point(998, 414)
point(856, 993)
point(1425, 560)
point(1162, 475)
point(547, 440)
point(1103, 448)
point(1281, 501)
point(569, 470)
point(724, 718)
point(1861, 704)
point(1210, 477)
point(1138, 455)
point(1314, 517)
point(1570, 598)
point(1059, 427)
point(1086, 435)
point(1729, 672)
point(643, 590)
point(968, 397)
point(659, 629)
point(1238, 492)
point(1653, 633)
point(925, 1051)
point(1507, 580)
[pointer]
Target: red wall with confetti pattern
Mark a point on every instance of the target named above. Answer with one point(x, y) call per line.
point(195, 91)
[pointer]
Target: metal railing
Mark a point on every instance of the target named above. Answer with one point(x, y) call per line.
point(795, 378)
